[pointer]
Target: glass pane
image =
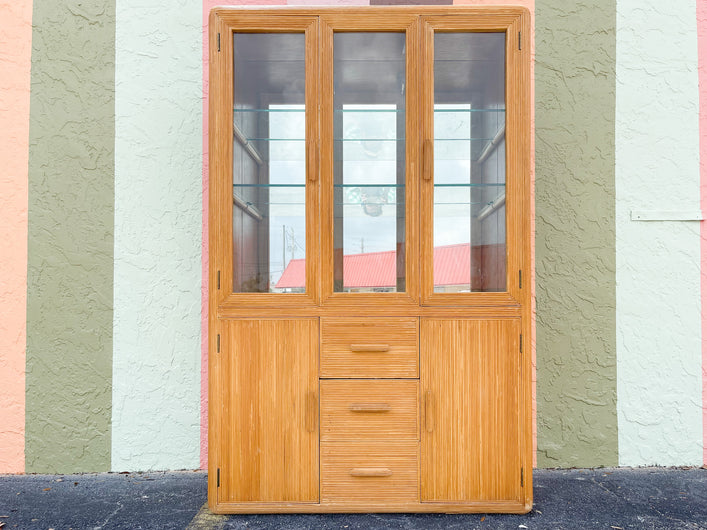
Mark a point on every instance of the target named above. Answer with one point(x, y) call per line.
point(469, 162)
point(268, 163)
point(369, 162)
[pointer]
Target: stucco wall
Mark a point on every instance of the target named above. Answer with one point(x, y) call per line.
point(575, 255)
point(108, 247)
point(15, 60)
point(70, 253)
point(658, 262)
point(157, 325)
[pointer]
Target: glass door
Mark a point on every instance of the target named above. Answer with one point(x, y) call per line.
point(369, 109)
point(271, 214)
point(468, 245)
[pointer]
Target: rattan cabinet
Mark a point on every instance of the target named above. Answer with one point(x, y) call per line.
point(369, 260)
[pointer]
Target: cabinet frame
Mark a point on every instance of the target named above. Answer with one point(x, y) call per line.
point(419, 300)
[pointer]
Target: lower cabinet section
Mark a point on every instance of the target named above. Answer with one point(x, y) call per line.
point(287, 439)
point(370, 472)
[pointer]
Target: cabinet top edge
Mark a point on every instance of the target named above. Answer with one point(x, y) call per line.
point(424, 10)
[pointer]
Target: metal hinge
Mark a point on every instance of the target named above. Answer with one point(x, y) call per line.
point(218, 343)
point(218, 280)
point(218, 477)
point(520, 279)
point(218, 41)
point(522, 481)
point(519, 40)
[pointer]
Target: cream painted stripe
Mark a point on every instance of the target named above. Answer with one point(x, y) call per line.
point(15, 63)
point(658, 263)
point(157, 323)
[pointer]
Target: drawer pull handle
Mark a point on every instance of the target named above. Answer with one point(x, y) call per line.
point(363, 348)
point(369, 407)
point(370, 472)
point(311, 406)
point(427, 159)
point(429, 418)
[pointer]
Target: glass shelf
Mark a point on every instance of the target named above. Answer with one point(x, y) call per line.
point(471, 185)
point(463, 139)
point(275, 139)
point(366, 111)
point(369, 185)
point(269, 185)
point(269, 110)
point(373, 111)
point(469, 110)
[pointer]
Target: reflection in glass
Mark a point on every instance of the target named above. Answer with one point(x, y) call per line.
point(268, 163)
point(469, 162)
point(369, 162)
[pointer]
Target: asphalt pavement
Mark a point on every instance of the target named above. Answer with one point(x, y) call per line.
point(607, 498)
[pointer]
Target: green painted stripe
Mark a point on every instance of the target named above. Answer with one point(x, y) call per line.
point(70, 254)
point(575, 83)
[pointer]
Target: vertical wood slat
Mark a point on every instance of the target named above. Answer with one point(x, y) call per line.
point(269, 440)
point(471, 370)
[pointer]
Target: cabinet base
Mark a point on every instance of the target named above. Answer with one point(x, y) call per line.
point(423, 507)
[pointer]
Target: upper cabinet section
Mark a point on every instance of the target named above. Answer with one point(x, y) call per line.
point(368, 156)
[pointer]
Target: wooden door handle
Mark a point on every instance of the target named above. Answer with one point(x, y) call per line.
point(310, 414)
point(429, 414)
point(370, 472)
point(427, 159)
point(369, 407)
point(313, 158)
point(369, 348)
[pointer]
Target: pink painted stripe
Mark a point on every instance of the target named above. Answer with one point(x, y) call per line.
point(16, 31)
point(702, 76)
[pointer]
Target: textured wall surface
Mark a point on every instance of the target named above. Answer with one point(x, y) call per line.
point(658, 263)
point(70, 253)
point(135, 363)
point(575, 255)
point(157, 327)
point(15, 60)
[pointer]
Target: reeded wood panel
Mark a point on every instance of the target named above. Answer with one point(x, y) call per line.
point(361, 410)
point(470, 443)
point(372, 472)
point(369, 347)
point(269, 438)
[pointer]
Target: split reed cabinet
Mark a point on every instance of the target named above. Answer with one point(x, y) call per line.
point(369, 273)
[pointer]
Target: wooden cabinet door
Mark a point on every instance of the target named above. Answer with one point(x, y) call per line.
point(470, 443)
point(269, 443)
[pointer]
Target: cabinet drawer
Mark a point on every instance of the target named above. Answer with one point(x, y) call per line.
point(363, 410)
point(369, 347)
point(369, 471)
